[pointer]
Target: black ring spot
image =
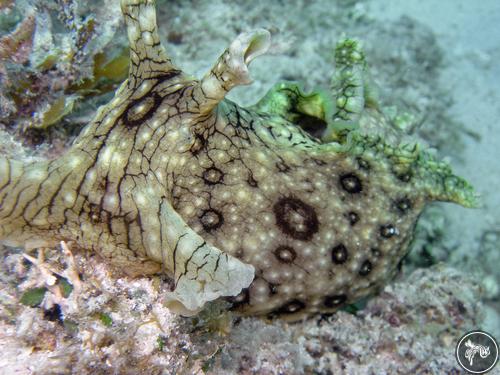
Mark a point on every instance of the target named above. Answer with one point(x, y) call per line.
point(353, 217)
point(291, 307)
point(285, 254)
point(403, 205)
point(296, 218)
point(138, 112)
point(375, 252)
point(365, 268)
point(331, 302)
point(388, 231)
point(404, 176)
point(211, 220)
point(351, 183)
point(213, 176)
point(339, 254)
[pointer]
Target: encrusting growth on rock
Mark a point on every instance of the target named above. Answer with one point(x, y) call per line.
point(301, 203)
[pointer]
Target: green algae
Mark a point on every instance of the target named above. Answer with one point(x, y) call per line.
point(33, 297)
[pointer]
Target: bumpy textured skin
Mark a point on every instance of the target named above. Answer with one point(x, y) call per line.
point(235, 202)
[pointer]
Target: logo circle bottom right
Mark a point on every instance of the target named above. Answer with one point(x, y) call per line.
point(477, 352)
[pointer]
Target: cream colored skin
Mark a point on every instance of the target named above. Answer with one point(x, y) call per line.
point(228, 201)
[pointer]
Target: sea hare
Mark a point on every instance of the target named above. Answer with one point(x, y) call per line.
point(298, 204)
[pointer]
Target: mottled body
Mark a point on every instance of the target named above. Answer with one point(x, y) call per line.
point(232, 201)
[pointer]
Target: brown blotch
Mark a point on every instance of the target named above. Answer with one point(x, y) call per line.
point(375, 252)
point(296, 218)
point(174, 37)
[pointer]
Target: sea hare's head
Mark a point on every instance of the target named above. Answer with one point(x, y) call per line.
point(319, 192)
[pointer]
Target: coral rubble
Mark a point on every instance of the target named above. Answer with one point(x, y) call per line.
point(120, 325)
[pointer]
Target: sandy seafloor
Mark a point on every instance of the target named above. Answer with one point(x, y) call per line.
point(402, 40)
point(468, 32)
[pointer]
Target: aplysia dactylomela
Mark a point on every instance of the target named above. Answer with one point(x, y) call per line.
point(298, 204)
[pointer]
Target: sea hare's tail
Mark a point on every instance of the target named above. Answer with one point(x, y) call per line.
point(438, 181)
point(411, 164)
point(23, 202)
point(11, 172)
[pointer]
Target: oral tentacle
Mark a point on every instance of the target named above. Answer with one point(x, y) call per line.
point(148, 57)
point(231, 69)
